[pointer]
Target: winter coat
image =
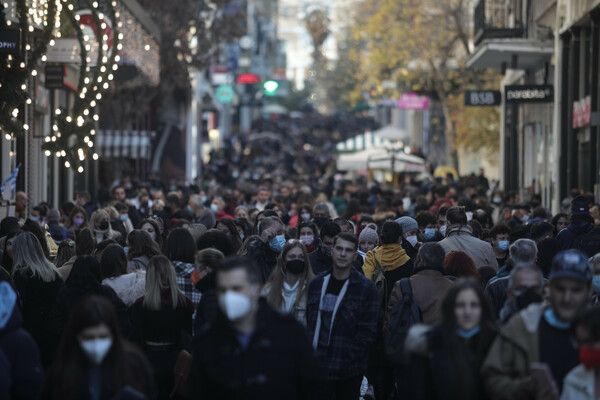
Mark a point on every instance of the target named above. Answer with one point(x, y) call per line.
point(82, 282)
point(65, 269)
point(138, 263)
point(24, 373)
point(579, 384)
point(353, 330)
point(429, 286)
point(206, 218)
point(576, 228)
point(263, 256)
point(389, 257)
point(433, 372)
point(506, 368)
point(38, 298)
point(496, 293)
point(461, 238)
point(129, 287)
point(278, 362)
point(298, 309)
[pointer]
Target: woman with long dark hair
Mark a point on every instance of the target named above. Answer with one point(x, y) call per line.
point(141, 249)
point(445, 361)
point(128, 286)
point(94, 361)
point(162, 318)
point(228, 227)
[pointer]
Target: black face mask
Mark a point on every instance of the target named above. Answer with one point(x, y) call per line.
point(104, 225)
point(295, 267)
point(206, 283)
point(528, 297)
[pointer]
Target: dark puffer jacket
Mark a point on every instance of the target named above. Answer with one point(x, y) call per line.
point(20, 352)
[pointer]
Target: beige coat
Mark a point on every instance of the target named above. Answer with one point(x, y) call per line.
point(461, 238)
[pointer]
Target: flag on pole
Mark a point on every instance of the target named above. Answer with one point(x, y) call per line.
point(12, 179)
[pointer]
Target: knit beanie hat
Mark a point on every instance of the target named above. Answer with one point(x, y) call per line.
point(368, 234)
point(407, 224)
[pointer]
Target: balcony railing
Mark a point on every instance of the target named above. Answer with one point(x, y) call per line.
point(497, 19)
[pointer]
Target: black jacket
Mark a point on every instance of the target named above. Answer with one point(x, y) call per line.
point(263, 256)
point(496, 294)
point(278, 363)
point(38, 298)
point(24, 373)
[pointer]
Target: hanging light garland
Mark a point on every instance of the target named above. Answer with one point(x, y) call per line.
point(16, 69)
point(73, 133)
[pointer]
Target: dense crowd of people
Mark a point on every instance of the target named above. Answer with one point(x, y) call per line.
point(300, 289)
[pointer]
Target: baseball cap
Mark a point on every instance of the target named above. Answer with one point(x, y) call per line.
point(580, 205)
point(572, 264)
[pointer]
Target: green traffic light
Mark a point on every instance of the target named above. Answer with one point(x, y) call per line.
point(270, 87)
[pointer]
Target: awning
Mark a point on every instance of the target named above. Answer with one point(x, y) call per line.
point(379, 158)
point(494, 53)
point(124, 144)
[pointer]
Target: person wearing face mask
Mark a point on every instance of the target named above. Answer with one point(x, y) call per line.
point(525, 286)
point(204, 280)
point(581, 383)
point(93, 360)
point(101, 227)
point(445, 359)
point(410, 229)
point(459, 236)
point(320, 214)
point(428, 227)
point(307, 233)
point(266, 249)
point(77, 220)
point(499, 236)
point(123, 210)
point(218, 208)
point(287, 287)
point(534, 350)
point(251, 351)
point(320, 259)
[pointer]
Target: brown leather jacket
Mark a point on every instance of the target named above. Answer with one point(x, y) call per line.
point(429, 286)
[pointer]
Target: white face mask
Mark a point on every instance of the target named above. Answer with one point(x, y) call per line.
point(96, 349)
point(234, 305)
point(214, 208)
point(412, 240)
point(443, 230)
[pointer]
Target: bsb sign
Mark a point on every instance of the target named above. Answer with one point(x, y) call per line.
point(483, 98)
point(529, 94)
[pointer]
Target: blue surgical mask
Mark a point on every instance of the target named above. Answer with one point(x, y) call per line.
point(468, 334)
point(152, 235)
point(123, 217)
point(525, 218)
point(497, 200)
point(596, 283)
point(34, 219)
point(242, 236)
point(190, 209)
point(126, 250)
point(553, 320)
point(277, 243)
point(203, 199)
point(503, 245)
point(429, 233)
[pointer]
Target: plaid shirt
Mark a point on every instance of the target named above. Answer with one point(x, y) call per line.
point(354, 328)
point(184, 281)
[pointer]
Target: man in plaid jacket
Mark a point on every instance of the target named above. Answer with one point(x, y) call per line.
point(342, 321)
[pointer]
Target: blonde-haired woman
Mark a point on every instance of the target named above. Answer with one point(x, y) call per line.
point(38, 283)
point(100, 225)
point(287, 287)
point(161, 319)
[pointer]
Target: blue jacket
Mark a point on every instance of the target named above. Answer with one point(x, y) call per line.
point(566, 236)
point(354, 328)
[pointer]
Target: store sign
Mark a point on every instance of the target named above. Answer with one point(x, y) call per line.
point(248, 79)
point(412, 101)
point(582, 112)
point(65, 51)
point(483, 97)
point(529, 94)
point(10, 41)
point(55, 76)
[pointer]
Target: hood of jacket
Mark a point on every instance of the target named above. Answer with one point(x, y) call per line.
point(391, 256)
point(10, 315)
point(457, 229)
point(579, 226)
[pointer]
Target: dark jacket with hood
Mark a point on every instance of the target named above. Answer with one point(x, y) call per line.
point(22, 379)
point(576, 228)
point(84, 280)
point(278, 362)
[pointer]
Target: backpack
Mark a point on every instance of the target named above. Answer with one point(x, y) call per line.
point(405, 314)
point(588, 242)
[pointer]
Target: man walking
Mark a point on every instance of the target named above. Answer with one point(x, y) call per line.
point(342, 321)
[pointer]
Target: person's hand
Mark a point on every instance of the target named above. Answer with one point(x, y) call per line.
point(543, 383)
point(267, 235)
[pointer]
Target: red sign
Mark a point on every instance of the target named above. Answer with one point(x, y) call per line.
point(582, 111)
point(87, 20)
point(248, 79)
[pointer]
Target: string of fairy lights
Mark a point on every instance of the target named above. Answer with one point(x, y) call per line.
point(73, 131)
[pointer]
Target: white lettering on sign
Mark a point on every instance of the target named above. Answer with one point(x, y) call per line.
point(482, 98)
point(8, 45)
point(526, 94)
